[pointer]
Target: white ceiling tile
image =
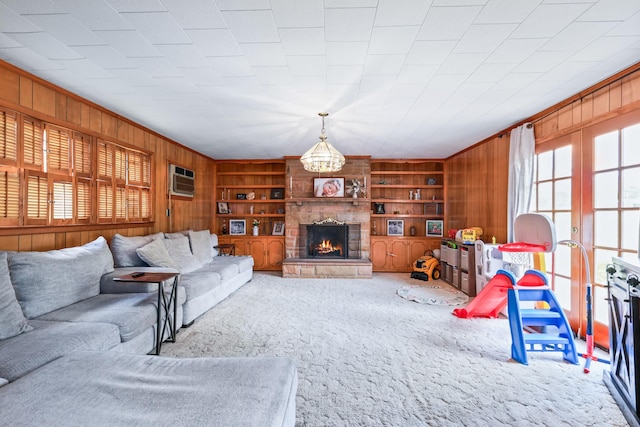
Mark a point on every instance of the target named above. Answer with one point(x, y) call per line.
point(543, 61)
point(343, 74)
point(183, 55)
point(417, 73)
point(137, 5)
point(157, 27)
point(488, 72)
point(630, 27)
point(459, 3)
point(611, 10)
point(346, 53)
point(348, 25)
point(215, 42)
point(28, 59)
point(264, 54)
point(83, 68)
point(272, 75)
point(6, 41)
point(156, 67)
point(604, 47)
point(447, 23)
point(340, 4)
point(483, 38)
point(46, 45)
point(201, 76)
point(561, 71)
point(430, 52)
point(254, 26)
point(505, 11)
point(390, 40)
point(461, 63)
point(302, 41)
point(12, 22)
point(95, 15)
point(307, 65)
point(578, 35)
point(33, 6)
point(242, 84)
point(243, 4)
point(514, 51)
point(134, 76)
point(231, 66)
point(104, 56)
point(407, 12)
point(65, 28)
point(129, 43)
point(548, 20)
point(298, 14)
point(384, 64)
point(176, 84)
point(200, 14)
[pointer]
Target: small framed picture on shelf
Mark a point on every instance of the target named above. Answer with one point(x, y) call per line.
point(277, 193)
point(395, 227)
point(241, 196)
point(328, 187)
point(434, 228)
point(237, 227)
point(278, 229)
point(223, 208)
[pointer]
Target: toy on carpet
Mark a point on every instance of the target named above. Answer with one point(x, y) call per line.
point(426, 267)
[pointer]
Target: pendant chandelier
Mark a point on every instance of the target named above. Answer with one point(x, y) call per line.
point(322, 157)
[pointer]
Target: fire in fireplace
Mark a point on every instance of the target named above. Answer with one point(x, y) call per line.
point(329, 240)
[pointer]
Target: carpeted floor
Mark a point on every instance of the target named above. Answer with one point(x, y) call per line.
point(367, 357)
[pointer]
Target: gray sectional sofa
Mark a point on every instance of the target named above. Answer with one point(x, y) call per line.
point(74, 342)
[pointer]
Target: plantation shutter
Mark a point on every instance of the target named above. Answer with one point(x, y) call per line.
point(105, 201)
point(81, 155)
point(32, 143)
point(58, 143)
point(133, 204)
point(135, 168)
point(8, 138)
point(145, 204)
point(37, 198)
point(83, 201)
point(120, 164)
point(62, 200)
point(105, 160)
point(9, 197)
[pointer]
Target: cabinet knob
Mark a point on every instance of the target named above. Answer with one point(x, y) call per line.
point(632, 280)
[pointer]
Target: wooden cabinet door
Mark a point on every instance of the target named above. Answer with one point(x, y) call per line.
point(257, 248)
point(379, 254)
point(275, 254)
point(399, 255)
point(416, 250)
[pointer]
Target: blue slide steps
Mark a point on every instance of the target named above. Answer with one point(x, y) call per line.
point(556, 333)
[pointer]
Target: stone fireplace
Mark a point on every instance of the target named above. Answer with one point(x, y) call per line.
point(348, 258)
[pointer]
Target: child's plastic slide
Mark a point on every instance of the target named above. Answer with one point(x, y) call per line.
point(491, 299)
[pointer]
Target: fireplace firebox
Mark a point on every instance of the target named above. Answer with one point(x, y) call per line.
point(330, 240)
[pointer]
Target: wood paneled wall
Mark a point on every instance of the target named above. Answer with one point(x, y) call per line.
point(477, 178)
point(31, 95)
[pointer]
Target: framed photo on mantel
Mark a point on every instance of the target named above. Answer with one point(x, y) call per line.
point(328, 187)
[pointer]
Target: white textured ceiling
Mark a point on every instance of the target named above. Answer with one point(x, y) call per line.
point(247, 78)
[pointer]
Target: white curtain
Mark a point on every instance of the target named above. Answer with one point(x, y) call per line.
point(521, 167)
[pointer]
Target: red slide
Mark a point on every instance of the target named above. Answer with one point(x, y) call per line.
point(491, 300)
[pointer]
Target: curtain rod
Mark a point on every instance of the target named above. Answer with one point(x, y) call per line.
point(500, 135)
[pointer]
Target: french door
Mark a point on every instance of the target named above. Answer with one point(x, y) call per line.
point(588, 182)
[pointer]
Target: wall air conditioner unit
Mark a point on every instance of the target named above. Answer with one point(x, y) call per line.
point(181, 181)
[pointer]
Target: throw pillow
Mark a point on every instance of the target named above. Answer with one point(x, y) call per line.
point(12, 320)
point(214, 243)
point(155, 254)
point(47, 281)
point(124, 249)
point(201, 245)
point(176, 235)
point(180, 253)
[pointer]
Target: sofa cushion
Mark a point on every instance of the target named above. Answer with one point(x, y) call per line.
point(199, 282)
point(155, 254)
point(177, 234)
point(131, 313)
point(214, 243)
point(47, 281)
point(116, 389)
point(201, 248)
point(124, 249)
point(180, 253)
point(47, 341)
point(12, 320)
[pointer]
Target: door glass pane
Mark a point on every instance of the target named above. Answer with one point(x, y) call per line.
point(606, 151)
point(629, 234)
point(563, 260)
point(600, 307)
point(545, 196)
point(562, 165)
point(631, 188)
point(631, 145)
point(563, 225)
point(606, 228)
point(562, 289)
point(545, 165)
point(602, 258)
point(563, 194)
point(605, 188)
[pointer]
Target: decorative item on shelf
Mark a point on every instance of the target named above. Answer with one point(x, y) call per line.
point(355, 188)
point(223, 208)
point(431, 181)
point(241, 196)
point(322, 157)
point(280, 211)
point(434, 228)
point(383, 182)
point(251, 209)
point(224, 227)
point(277, 193)
point(412, 230)
point(379, 208)
point(237, 227)
point(417, 195)
point(256, 224)
point(328, 187)
point(395, 227)
point(278, 229)
point(375, 229)
point(263, 197)
point(251, 195)
point(410, 194)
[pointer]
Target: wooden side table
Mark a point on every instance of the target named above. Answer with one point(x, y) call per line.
point(228, 249)
point(166, 302)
